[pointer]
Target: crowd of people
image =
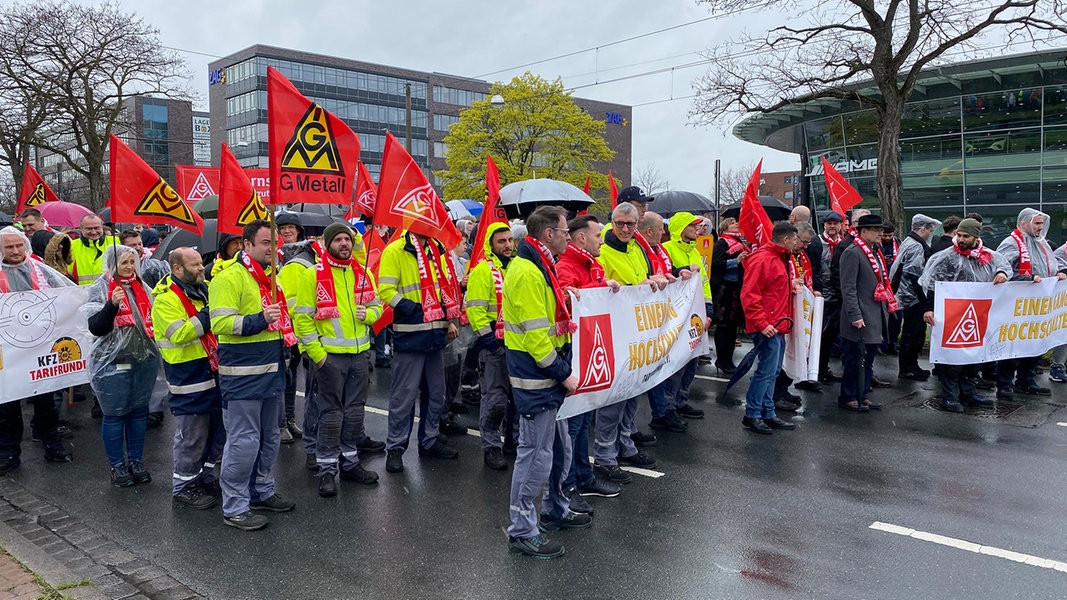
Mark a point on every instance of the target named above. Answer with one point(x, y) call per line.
point(231, 338)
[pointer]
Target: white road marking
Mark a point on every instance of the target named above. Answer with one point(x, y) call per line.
point(971, 546)
point(710, 378)
point(1062, 424)
point(477, 434)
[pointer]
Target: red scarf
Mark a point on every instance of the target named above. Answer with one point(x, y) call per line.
point(498, 287)
point(735, 244)
point(979, 253)
point(326, 292)
point(659, 267)
point(564, 324)
point(831, 242)
point(208, 340)
point(1025, 267)
point(283, 324)
point(125, 317)
point(434, 308)
point(883, 292)
point(800, 266)
point(596, 271)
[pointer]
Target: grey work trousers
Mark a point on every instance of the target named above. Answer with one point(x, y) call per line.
point(611, 437)
point(495, 387)
point(538, 434)
point(198, 445)
point(343, 383)
point(410, 370)
point(677, 385)
point(252, 441)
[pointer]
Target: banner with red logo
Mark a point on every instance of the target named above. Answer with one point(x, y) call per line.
point(140, 195)
point(239, 204)
point(366, 195)
point(197, 183)
point(801, 359)
point(631, 340)
point(407, 201)
point(44, 341)
point(842, 195)
point(34, 190)
point(981, 322)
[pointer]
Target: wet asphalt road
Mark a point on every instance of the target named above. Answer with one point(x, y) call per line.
point(734, 515)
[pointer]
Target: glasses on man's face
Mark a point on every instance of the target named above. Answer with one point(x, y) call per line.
point(625, 224)
point(563, 230)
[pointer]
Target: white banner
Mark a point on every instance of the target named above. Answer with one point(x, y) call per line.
point(630, 341)
point(44, 342)
point(981, 322)
point(801, 360)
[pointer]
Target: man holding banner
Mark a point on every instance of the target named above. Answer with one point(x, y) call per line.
point(966, 260)
point(20, 273)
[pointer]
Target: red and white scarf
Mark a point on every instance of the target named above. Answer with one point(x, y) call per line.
point(596, 271)
point(283, 324)
point(831, 242)
point(125, 317)
point(979, 253)
point(659, 266)
point(208, 340)
point(564, 324)
point(326, 290)
point(434, 308)
point(800, 266)
point(1025, 267)
point(883, 291)
point(735, 244)
point(498, 287)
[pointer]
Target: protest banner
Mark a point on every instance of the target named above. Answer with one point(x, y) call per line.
point(630, 341)
point(981, 322)
point(44, 342)
point(801, 360)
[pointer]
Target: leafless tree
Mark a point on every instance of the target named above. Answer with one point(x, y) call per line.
point(732, 183)
point(837, 43)
point(82, 62)
point(650, 179)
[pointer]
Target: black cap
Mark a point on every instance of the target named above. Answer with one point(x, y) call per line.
point(634, 194)
point(833, 216)
point(872, 221)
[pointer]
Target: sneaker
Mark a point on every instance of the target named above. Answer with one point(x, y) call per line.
point(1058, 374)
point(274, 504)
point(58, 455)
point(154, 420)
point(453, 427)
point(310, 462)
point(664, 423)
point(573, 520)
point(643, 440)
point(1034, 390)
point(139, 473)
point(640, 460)
point(979, 401)
point(327, 486)
point(951, 406)
point(537, 546)
point(193, 497)
point(370, 446)
point(211, 488)
point(807, 386)
point(287, 436)
point(494, 459)
point(613, 473)
point(120, 476)
point(294, 429)
point(246, 521)
point(1006, 393)
point(394, 463)
point(8, 464)
point(359, 475)
point(439, 450)
point(599, 487)
point(577, 503)
point(689, 412)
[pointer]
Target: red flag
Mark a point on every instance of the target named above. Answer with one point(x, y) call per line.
point(197, 183)
point(313, 153)
point(366, 195)
point(585, 188)
point(239, 204)
point(140, 195)
point(611, 190)
point(754, 223)
point(374, 245)
point(406, 200)
point(34, 190)
point(842, 195)
point(493, 213)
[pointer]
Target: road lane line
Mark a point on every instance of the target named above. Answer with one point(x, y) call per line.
point(971, 546)
point(710, 378)
point(477, 434)
point(1062, 424)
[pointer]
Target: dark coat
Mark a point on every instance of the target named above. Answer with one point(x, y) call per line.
point(857, 299)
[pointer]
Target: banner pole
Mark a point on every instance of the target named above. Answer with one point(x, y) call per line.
point(273, 259)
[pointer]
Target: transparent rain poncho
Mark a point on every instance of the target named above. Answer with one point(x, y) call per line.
point(949, 265)
point(911, 258)
point(1042, 262)
point(123, 363)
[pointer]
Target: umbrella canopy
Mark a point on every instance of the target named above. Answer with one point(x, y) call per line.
point(519, 199)
point(314, 223)
point(776, 209)
point(332, 210)
point(178, 238)
point(463, 208)
point(676, 201)
point(6, 219)
point(63, 214)
point(207, 207)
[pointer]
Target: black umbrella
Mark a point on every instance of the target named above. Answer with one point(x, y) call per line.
point(519, 199)
point(314, 223)
point(6, 219)
point(676, 201)
point(746, 361)
point(325, 209)
point(205, 244)
point(776, 209)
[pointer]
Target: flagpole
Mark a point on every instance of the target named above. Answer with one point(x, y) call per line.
point(273, 258)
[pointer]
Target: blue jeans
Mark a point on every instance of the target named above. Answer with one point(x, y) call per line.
point(124, 435)
point(581, 473)
point(657, 399)
point(759, 401)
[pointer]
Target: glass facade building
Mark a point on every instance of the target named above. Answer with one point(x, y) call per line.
point(987, 136)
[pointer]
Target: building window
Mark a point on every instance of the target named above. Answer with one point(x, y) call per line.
point(444, 122)
point(156, 150)
point(458, 97)
point(440, 150)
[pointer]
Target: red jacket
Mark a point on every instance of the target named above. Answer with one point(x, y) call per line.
point(765, 293)
point(572, 270)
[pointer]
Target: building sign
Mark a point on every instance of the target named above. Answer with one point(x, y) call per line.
point(615, 118)
point(845, 166)
point(216, 76)
point(202, 141)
